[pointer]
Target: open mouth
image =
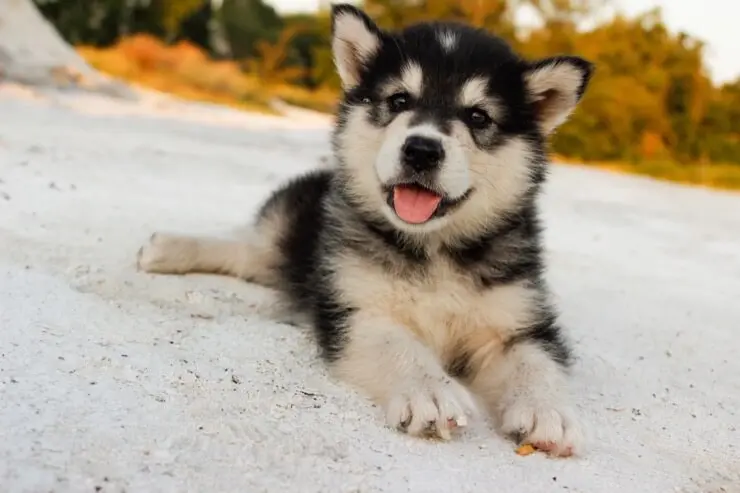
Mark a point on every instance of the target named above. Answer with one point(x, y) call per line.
point(415, 204)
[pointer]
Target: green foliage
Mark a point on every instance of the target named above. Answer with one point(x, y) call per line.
point(173, 12)
point(101, 22)
point(311, 49)
point(246, 22)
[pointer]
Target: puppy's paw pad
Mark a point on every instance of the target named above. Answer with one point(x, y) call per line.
point(431, 409)
point(551, 429)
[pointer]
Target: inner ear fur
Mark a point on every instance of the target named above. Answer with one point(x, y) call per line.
point(555, 86)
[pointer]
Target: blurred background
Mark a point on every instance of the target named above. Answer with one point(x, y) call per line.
point(665, 100)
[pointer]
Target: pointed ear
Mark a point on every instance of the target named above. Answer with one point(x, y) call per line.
point(355, 40)
point(555, 87)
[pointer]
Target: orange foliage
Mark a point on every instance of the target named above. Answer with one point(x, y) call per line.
point(182, 69)
point(651, 146)
point(186, 70)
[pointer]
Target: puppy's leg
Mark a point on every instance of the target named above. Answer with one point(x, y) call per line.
point(245, 258)
point(391, 365)
point(526, 389)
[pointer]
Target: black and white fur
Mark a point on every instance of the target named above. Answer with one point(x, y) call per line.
point(429, 320)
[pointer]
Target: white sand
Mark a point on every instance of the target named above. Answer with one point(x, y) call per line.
point(114, 380)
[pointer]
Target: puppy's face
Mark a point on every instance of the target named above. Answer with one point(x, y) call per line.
point(442, 126)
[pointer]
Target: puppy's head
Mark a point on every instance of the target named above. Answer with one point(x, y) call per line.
point(442, 126)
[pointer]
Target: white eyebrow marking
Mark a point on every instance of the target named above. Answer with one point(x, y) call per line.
point(473, 92)
point(412, 78)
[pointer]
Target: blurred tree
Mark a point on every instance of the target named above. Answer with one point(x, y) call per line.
point(103, 22)
point(269, 64)
point(246, 22)
point(564, 11)
point(394, 14)
point(173, 12)
point(495, 15)
point(195, 27)
point(309, 47)
point(719, 131)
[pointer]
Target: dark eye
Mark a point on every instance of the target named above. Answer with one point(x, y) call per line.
point(399, 102)
point(477, 118)
point(359, 98)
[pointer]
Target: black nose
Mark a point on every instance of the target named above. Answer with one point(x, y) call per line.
point(422, 153)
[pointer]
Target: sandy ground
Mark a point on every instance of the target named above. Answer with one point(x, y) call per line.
point(113, 380)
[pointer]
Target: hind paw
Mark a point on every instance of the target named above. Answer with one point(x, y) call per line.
point(165, 254)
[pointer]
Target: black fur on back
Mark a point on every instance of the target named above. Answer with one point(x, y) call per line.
point(301, 203)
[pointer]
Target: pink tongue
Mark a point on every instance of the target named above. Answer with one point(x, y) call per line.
point(413, 204)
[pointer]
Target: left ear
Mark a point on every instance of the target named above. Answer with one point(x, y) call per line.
point(355, 40)
point(555, 86)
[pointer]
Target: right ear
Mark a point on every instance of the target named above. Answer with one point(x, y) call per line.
point(355, 40)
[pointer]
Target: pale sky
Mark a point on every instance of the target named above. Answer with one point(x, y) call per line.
point(716, 22)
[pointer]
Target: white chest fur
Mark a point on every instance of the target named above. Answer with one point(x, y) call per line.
point(444, 307)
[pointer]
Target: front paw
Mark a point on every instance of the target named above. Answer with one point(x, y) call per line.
point(430, 407)
point(551, 428)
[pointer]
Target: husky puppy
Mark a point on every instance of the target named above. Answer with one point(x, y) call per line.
point(418, 255)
